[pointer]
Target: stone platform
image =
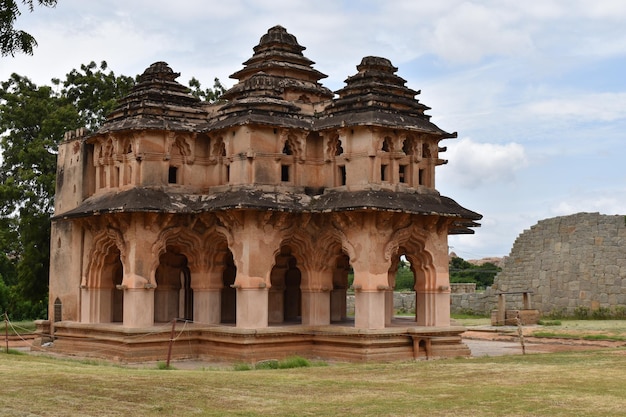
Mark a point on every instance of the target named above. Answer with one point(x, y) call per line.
point(401, 341)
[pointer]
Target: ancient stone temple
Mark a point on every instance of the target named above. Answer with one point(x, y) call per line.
point(246, 218)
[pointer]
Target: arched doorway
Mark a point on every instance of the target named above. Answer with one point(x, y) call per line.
point(420, 264)
point(338, 296)
point(117, 298)
point(173, 297)
point(285, 295)
point(229, 294)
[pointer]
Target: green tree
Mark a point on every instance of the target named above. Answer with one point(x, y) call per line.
point(210, 95)
point(94, 91)
point(462, 271)
point(33, 120)
point(14, 40)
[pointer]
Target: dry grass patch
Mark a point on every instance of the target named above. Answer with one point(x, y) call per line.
point(564, 384)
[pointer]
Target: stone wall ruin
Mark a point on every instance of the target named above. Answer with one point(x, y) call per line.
point(570, 263)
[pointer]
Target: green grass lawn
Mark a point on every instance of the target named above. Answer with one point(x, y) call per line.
point(564, 384)
point(17, 327)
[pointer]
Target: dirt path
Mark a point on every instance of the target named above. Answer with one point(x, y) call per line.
point(498, 341)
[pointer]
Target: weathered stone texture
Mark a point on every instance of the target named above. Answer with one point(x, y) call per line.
point(569, 262)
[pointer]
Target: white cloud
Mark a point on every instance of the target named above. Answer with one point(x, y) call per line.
point(470, 32)
point(473, 164)
point(583, 107)
point(592, 202)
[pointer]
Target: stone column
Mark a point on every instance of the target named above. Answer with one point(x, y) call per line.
point(254, 239)
point(317, 286)
point(365, 236)
point(207, 294)
point(432, 292)
point(137, 286)
point(389, 301)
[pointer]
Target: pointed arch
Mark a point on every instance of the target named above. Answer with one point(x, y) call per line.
point(106, 241)
point(189, 243)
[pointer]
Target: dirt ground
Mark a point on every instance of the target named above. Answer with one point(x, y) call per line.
point(496, 341)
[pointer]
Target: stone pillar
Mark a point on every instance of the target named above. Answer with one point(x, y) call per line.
point(206, 306)
point(138, 307)
point(207, 294)
point(338, 304)
point(254, 239)
point(315, 307)
point(276, 304)
point(252, 306)
point(137, 285)
point(432, 289)
point(96, 305)
point(365, 236)
point(369, 309)
point(389, 301)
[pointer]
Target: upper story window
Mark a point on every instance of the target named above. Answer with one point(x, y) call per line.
point(387, 145)
point(287, 149)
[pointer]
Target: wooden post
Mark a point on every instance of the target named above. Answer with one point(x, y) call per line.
point(501, 309)
point(169, 349)
point(6, 331)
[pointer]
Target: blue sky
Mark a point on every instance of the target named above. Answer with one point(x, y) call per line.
point(535, 89)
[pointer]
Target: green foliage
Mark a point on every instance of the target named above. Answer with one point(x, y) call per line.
point(210, 95)
point(293, 362)
point(14, 40)
point(94, 91)
point(462, 271)
point(241, 366)
point(405, 280)
point(287, 363)
point(581, 313)
point(562, 335)
point(549, 322)
point(33, 120)
point(163, 366)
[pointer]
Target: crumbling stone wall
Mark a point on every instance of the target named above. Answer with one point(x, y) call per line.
point(569, 262)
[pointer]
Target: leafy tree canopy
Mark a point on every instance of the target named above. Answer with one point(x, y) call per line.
point(207, 94)
point(463, 271)
point(33, 120)
point(14, 40)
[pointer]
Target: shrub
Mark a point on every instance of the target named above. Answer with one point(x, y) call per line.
point(601, 313)
point(581, 313)
point(294, 362)
point(549, 322)
point(242, 367)
point(164, 366)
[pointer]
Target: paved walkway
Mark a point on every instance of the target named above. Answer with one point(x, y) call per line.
point(496, 348)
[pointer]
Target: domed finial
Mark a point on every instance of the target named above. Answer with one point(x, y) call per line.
point(159, 71)
point(377, 63)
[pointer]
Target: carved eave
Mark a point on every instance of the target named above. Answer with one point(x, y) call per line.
point(159, 200)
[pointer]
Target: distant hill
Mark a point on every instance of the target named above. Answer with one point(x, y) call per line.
point(497, 261)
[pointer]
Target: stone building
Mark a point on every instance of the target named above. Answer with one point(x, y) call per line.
point(244, 218)
point(568, 262)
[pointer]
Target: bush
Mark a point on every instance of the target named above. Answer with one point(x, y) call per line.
point(287, 363)
point(581, 313)
point(293, 362)
point(601, 313)
point(549, 322)
point(242, 367)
